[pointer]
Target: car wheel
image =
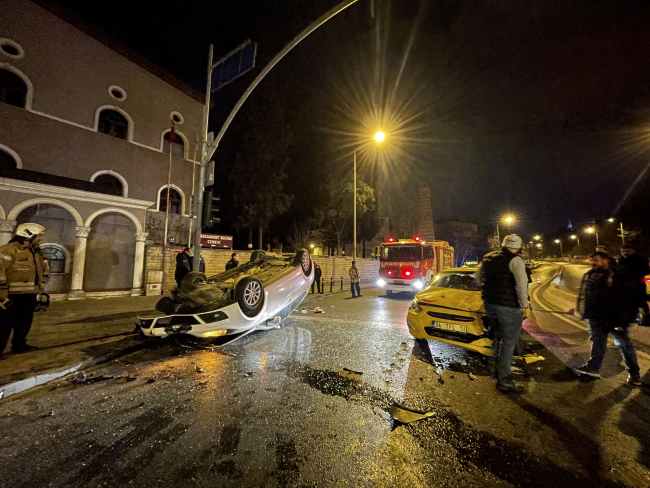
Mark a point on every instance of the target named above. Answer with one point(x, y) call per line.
point(256, 254)
point(389, 293)
point(249, 294)
point(302, 258)
point(194, 278)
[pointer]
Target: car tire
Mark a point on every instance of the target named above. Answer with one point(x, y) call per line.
point(249, 294)
point(389, 293)
point(256, 254)
point(302, 258)
point(194, 278)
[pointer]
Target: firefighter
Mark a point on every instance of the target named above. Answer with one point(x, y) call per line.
point(23, 274)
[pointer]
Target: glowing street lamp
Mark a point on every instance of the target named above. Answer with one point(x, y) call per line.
point(508, 219)
point(576, 238)
point(379, 137)
point(593, 230)
point(537, 238)
point(558, 241)
point(612, 220)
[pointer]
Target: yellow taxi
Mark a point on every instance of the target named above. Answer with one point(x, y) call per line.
point(450, 309)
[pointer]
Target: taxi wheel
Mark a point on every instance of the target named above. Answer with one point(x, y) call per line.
point(249, 294)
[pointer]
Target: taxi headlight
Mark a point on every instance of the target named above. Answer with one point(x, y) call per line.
point(381, 282)
point(418, 285)
point(414, 307)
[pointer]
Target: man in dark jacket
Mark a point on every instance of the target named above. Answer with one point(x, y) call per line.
point(632, 269)
point(233, 263)
point(600, 302)
point(184, 265)
point(504, 289)
point(317, 274)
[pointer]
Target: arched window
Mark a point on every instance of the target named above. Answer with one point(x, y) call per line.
point(7, 161)
point(174, 198)
point(55, 258)
point(113, 123)
point(13, 90)
point(109, 185)
point(178, 149)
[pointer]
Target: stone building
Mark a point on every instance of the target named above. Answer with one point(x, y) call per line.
point(84, 148)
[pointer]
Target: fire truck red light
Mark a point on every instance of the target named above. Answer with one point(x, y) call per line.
point(389, 272)
point(417, 238)
point(408, 273)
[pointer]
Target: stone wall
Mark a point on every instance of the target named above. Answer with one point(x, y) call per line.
point(335, 267)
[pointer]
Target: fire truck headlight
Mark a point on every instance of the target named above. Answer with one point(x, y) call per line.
point(381, 282)
point(418, 285)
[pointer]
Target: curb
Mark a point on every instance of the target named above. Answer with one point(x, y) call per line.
point(42, 378)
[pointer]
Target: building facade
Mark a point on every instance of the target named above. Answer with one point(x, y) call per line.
point(85, 148)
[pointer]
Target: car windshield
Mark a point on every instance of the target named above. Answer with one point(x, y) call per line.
point(457, 281)
point(402, 253)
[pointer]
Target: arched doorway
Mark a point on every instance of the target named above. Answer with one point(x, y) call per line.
point(110, 253)
point(57, 242)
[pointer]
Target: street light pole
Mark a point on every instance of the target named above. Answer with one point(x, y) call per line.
point(622, 234)
point(210, 146)
point(558, 241)
point(354, 234)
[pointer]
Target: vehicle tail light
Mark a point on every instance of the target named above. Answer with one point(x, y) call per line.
point(389, 272)
point(647, 280)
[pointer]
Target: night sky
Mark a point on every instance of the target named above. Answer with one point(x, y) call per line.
point(538, 108)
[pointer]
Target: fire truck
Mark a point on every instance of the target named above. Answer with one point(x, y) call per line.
point(409, 264)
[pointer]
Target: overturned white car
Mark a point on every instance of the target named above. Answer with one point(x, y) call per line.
point(257, 295)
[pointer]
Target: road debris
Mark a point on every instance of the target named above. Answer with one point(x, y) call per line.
point(80, 378)
point(405, 415)
point(351, 374)
point(471, 376)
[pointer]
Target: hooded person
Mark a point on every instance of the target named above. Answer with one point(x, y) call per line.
point(23, 275)
point(504, 289)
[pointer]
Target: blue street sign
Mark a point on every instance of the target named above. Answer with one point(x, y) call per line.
point(234, 66)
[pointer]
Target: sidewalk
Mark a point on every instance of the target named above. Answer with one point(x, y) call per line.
point(73, 335)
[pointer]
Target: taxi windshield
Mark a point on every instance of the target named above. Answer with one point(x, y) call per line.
point(456, 281)
point(402, 253)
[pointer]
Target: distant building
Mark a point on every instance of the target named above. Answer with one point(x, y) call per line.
point(84, 148)
point(450, 230)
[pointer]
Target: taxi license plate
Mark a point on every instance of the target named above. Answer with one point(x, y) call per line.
point(449, 326)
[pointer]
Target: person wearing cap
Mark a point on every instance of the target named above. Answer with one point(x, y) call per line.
point(23, 274)
point(355, 278)
point(632, 269)
point(504, 289)
point(599, 301)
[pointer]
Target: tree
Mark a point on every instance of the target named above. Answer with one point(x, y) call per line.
point(339, 211)
point(305, 233)
point(260, 165)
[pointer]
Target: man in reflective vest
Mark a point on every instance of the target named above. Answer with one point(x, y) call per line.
point(504, 289)
point(23, 274)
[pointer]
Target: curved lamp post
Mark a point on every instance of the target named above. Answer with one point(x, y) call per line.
point(209, 147)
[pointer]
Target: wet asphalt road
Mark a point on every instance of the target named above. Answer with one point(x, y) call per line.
point(277, 408)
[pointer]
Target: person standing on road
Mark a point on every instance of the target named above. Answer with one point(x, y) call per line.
point(23, 274)
point(355, 278)
point(600, 302)
point(504, 289)
point(317, 275)
point(632, 269)
point(233, 263)
point(184, 265)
